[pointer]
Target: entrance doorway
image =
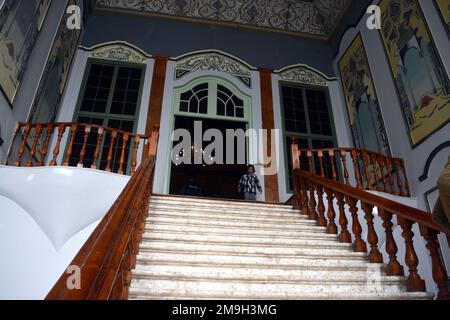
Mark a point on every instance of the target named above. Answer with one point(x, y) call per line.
point(216, 180)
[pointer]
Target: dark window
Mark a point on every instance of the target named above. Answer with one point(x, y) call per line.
point(306, 114)
point(195, 100)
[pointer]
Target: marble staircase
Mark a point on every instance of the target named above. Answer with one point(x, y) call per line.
point(213, 249)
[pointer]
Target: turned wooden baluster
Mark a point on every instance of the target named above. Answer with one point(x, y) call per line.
point(50, 128)
point(38, 132)
point(73, 130)
point(332, 228)
point(122, 156)
point(345, 235)
point(394, 268)
point(415, 282)
point(25, 135)
point(373, 161)
point(399, 179)
point(358, 245)
point(87, 131)
point(344, 164)
point(390, 179)
point(16, 132)
point(320, 157)
point(61, 130)
point(380, 161)
point(333, 166)
point(137, 141)
point(408, 191)
point(375, 255)
point(309, 156)
point(295, 166)
point(366, 170)
point(321, 207)
point(438, 269)
point(313, 215)
point(356, 166)
point(100, 132)
point(304, 195)
point(110, 153)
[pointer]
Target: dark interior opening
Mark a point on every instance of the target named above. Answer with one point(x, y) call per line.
point(216, 180)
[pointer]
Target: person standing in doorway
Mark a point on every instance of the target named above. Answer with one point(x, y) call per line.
point(249, 183)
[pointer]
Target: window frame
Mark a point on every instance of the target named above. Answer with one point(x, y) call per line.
point(107, 115)
point(307, 136)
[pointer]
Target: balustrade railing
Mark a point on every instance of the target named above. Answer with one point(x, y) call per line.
point(371, 171)
point(309, 186)
point(106, 259)
point(89, 145)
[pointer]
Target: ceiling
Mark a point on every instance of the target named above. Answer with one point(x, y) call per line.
point(316, 18)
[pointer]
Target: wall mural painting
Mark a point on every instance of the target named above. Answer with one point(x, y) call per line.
point(48, 97)
point(20, 23)
point(444, 9)
point(363, 109)
point(422, 83)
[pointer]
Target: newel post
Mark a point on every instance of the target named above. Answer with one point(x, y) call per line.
point(153, 142)
point(295, 155)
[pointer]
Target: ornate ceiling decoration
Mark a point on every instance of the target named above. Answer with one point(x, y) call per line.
point(312, 17)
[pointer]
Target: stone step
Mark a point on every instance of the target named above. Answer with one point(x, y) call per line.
point(253, 289)
point(218, 203)
point(206, 230)
point(220, 221)
point(259, 261)
point(229, 248)
point(259, 274)
point(245, 240)
point(143, 295)
point(229, 214)
point(236, 228)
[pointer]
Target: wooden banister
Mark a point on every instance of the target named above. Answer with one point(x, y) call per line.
point(36, 137)
point(372, 171)
point(313, 183)
point(106, 259)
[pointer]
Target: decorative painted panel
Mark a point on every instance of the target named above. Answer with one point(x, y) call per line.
point(118, 52)
point(20, 24)
point(444, 9)
point(364, 112)
point(213, 61)
point(313, 17)
point(422, 83)
point(53, 81)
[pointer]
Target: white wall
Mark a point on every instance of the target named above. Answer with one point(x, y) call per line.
point(44, 221)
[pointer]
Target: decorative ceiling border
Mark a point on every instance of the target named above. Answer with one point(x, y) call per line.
point(117, 50)
point(301, 73)
point(213, 60)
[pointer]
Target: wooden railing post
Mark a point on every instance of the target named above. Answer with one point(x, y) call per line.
point(390, 179)
point(344, 164)
point(22, 145)
point(394, 268)
point(305, 199)
point(332, 228)
point(415, 282)
point(100, 132)
point(356, 166)
point(110, 152)
point(380, 161)
point(333, 165)
point(345, 235)
point(137, 141)
point(38, 132)
point(16, 132)
point(403, 165)
point(320, 157)
point(153, 142)
point(122, 156)
point(49, 132)
point(399, 179)
point(438, 270)
point(358, 245)
point(321, 208)
point(310, 163)
point(366, 169)
point(73, 131)
point(87, 131)
point(375, 255)
point(373, 162)
point(61, 130)
point(312, 202)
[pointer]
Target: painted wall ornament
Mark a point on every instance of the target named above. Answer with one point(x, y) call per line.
point(422, 83)
point(303, 74)
point(363, 108)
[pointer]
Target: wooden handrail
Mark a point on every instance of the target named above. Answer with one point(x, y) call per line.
point(308, 186)
point(37, 136)
point(372, 171)
point(106, 259)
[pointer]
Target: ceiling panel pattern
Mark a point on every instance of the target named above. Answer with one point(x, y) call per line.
point(314, 17)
